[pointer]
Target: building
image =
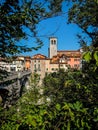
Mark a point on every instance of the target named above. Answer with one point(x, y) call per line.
point(27, 62)
point(16, 63)
point(38, 64)
point(4, 64)
point(73, 58)
point(41, 64)
point(56, 60)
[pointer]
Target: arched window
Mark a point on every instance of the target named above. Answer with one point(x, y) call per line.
point(54, 41)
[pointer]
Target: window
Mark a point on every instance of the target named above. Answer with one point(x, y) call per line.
point(35, 67)
point(12, 68)
point(61, 65)
point(52, 69)
point(39, 67)
point(75, 65)
point(54, 41)
point(68, 59)
point(22, 62)
point(75, 59)
point(68, 65)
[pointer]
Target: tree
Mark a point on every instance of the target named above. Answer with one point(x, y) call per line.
point(73, 88)
point(18, 16)
point(85, 14)
point(74, 103)
point(59, 86)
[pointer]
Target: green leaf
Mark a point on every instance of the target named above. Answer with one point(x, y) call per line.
point(96, 57)
point(58, 107)
point(68, 125)
point(77, 105)
point(87, 56)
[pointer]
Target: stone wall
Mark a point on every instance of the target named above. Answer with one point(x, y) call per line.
point(12, 90)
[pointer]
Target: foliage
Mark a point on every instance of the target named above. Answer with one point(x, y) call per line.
point(34, 80)
point(66, 116)
point(19, 20)
point(84, 87)
point(34, 87)
point(73, 106)
point(73, 94)
point(76, 86)
point(91, 60)
point(84, 14)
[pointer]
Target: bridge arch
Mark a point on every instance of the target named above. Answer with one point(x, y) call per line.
point(3, 96)
point(24, 84)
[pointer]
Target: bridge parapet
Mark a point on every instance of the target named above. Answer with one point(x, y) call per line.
point(16, 75)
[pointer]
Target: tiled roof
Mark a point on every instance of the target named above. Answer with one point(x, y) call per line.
point(63, 55)
point(70, 53)
point(56, 59)
point(39, 56)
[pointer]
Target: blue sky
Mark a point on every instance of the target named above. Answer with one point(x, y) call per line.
point(57, 27)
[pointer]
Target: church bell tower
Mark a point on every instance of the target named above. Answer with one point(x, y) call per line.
point(53, 47)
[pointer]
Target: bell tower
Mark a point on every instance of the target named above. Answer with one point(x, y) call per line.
point(53, 47)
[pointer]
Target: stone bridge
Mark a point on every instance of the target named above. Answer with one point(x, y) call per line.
point(12, 87)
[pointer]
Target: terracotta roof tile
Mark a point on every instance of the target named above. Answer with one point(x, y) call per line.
point(39, 56)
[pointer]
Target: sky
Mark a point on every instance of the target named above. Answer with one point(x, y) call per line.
point(56, 27)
